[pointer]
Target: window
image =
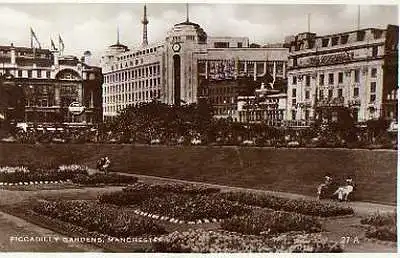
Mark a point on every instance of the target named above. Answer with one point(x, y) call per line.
point(330, 78)
point(373, 87)
point(293, 114)
point(39, 73)
point(372, 98)
point(321, 79)
point(330, 94)
point(307, 94)
point(321, 94)
point(344, 39)
point(340, 93)
point(340, 77)
point(294, 61)
point(240, 45)
point(325, 42)
point(221, 44)
point(294, 80)
point(308, 80)
point(373, 72)
point(29, 73)
point(19, 73)
point(356, 92)
point(294, 102)
point(360, 35)
point(375, 51)
point(335, 41)
point(47, 74)
point(294, 93)
point(357, 75)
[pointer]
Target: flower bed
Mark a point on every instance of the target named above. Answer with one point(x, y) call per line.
point(382, 226)
point(271, 222)
point(22, 174)
point(202, 241)
point(166, 188)
point(192, 207)
point(100, 178)
point(139, 192)
point(307, 207)
point(100, 218)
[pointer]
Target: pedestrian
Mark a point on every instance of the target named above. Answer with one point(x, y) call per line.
point(106, 164)
point(324, 187)
point(343, 192)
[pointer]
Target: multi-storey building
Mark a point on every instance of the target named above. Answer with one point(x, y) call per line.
point(189, 66)
point(131, 76)
point(354, 71)
point(49, 83)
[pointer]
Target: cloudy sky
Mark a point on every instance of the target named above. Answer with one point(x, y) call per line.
point(93, 26)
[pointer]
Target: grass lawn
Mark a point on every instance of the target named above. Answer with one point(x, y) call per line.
point(290, 170)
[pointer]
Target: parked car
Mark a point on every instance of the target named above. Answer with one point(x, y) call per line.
point(248, 143)
point(293, 144)
point(155, 141)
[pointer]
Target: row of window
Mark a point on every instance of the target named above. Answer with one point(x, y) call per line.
point(331, 80)
point(137, 96)
point(29, 74)
point(132, 86)
point(128, 98)
point(147, 71)
point(322, 94)
point(138, 53)
point(336, 40)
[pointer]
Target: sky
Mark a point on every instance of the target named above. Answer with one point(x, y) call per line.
point(93, 26)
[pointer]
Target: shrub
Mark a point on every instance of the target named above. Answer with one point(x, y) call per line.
point(307, 207)
point(271, 222)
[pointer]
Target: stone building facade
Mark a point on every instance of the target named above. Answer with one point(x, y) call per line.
point(353, 70)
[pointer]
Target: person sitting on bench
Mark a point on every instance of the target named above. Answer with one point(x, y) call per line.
point(343, 192)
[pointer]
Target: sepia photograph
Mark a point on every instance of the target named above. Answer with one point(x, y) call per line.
point(198, 127)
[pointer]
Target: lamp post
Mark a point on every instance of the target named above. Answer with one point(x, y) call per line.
point(32, 94)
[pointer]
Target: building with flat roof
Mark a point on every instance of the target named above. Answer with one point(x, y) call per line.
point(188, 67)
point(354, 71)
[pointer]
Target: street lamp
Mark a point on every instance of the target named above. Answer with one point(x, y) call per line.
point(33, 97)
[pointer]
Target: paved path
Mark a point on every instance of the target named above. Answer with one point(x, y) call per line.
point(360, 208)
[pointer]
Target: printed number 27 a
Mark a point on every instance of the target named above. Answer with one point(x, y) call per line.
point(349, 240)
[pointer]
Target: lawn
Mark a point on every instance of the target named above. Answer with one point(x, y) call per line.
point(291, 170)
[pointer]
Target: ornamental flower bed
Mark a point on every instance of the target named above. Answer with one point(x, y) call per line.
point(100, 178)
point(9, 170)
point(307, 207)
point(23, 174)
point(139, 192)
point(104, 219)
point(382, 226)
point(271, 222)
point(202, 241)
point(166, 188)
point(192, 207)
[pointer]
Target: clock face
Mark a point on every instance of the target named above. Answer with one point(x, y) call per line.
point(176, 47)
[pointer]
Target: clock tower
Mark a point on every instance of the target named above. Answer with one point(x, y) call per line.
point(182, 41)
